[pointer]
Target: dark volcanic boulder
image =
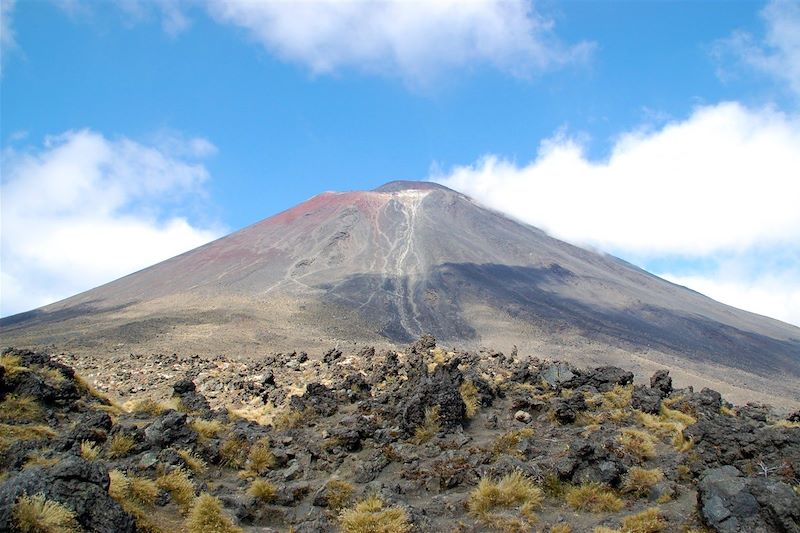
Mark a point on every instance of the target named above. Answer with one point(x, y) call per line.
point(566, 409)
point(598, 460)
point(192, 400)
point(170, 429)
point(647, 400)
point(706, 403)
point(439, 389)
point(331, 356)
point(602, 378)
point(731, 503)
point(724, 440)
point(79, 485)
point(317, 398)
point(662, 382)
point(92, 426)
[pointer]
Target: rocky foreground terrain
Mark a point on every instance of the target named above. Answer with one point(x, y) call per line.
point(423, 440)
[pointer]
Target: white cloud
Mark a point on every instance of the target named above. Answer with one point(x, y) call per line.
point(775, 294)
point(726, 178)
point(83, 210)
point(414, 39)
point(778, 52)
point(723, 182)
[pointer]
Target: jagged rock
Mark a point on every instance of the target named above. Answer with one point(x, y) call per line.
point(92, 426)
point(593, 461)
point(424, 343)
point(192, 400)
point(389, 367)
point(566, 409)
point(794, 417)
point(170, 429)
point(602, 378)
point(317, 398)
point(370, 467)
point(731, 503)
point(662, 382)
point(557, 373)
point(754, 411)
point(724, 440)
point(647, 400)
point(356, 387)
point(63, 392)
point(706, 403)
point(331, 356)
point(79, 485)
point(438, 389)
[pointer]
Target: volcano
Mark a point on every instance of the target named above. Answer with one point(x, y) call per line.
point(387, 265)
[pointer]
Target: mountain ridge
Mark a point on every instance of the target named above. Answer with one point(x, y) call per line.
point(404, 259)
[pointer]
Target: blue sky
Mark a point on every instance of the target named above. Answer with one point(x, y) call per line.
point(664, 132)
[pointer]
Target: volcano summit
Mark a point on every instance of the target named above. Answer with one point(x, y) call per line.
point(386, 265)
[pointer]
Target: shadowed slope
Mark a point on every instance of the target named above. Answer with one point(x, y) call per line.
point(398, 261)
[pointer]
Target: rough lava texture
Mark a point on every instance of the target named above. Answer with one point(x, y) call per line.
point(317, 434)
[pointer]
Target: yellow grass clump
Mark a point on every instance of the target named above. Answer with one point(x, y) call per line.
point(147, 406)
point(120, 445)
point(429, 427)
point(561, 528)
point(637, 442)
point(12, 364)
point(20, 409)
point(469, 395)
point(648, 521)
point(37, 514)
point(207, 429)
point(639, 481)
point(207, 516)
point(89, 450)
point(288, 418)
point(338, 494)
point(372, 516)
point(9, 434)
point(195, 463)
point(593, 497)
point(617, 398)
point(136, 495)
point(506, 444)
point(491, 499)
point(179, 485)
point(233, 452)
point(262, 489)
point(260, 457)
point(37, 459)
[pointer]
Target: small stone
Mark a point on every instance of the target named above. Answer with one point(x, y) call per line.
point(522, 416)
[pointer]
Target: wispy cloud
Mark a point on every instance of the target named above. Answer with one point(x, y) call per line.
point(83, 209)
point(7, 39)
point(746, 282)
point(777, 52)
point(416, 40)
point(723, 180)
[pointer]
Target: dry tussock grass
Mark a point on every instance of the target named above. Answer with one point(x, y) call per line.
point(37, 514)
point(429, 428)
point(593, 497)
point(638, 443)
point(639, 481)
point(372, 516)
point(491, 500)
point(207, 516)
